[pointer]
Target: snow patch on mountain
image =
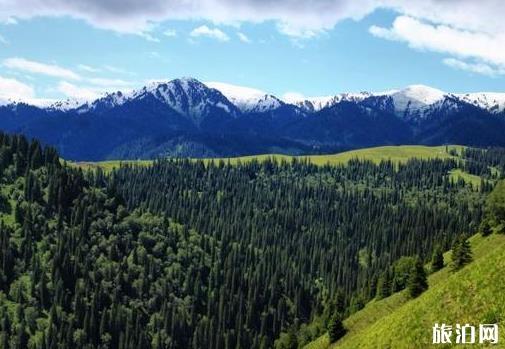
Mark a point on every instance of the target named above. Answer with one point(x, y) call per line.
point(66, 105)
point(195, 99)
point(314, 104)
point(247, 99)
point(187, 96)
point(491, 101)
point(4, 102)
point(415, 97)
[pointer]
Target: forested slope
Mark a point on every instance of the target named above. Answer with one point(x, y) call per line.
point(187, 254)
point(473, 295)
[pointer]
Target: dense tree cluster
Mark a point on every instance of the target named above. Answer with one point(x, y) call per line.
point(187, 254)
point(495, 211)
point(417, 282)
point(488, 163)
point(437, 260)
point(336, 329)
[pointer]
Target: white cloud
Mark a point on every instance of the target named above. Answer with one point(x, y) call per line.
point(298, 32)
point(299, 18)
point(8, 21)
point(89, 88)
point(108, 82)
point(78, 92)
point(292, 97)
point(467, 30)
point(12, 89)
point(384, 33)
point(445, 39)
point(148, 37)
point(171, 33)
point(479, 68)
point(213, 33)
point(137, 16)
point(88, 68)
point(486, 50)
point(40, 68)
point(117, 70)
point(244, 38)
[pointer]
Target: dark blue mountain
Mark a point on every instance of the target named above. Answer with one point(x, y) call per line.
point(185, 117)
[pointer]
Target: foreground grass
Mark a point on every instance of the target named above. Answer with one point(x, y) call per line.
point(397, 154)
point(474, 295)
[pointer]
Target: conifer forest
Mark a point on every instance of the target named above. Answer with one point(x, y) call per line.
point(208, 254)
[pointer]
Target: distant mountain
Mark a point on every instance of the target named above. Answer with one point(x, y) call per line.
point(185, 117)
point(248, 100)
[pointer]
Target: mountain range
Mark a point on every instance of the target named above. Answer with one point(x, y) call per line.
point(185, 117)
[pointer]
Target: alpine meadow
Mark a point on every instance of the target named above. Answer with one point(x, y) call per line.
point(287, 174)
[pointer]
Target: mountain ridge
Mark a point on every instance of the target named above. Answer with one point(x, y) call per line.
point(185, 117)
point(416, 96)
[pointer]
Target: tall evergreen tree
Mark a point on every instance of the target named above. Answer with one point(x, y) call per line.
point(485, 227)
point(384, 285)
point(461, 254)
point(417, 282)
point(437, 261)
point(336, 329)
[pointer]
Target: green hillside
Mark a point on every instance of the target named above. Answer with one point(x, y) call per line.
point(395, 153)
point(474, 295)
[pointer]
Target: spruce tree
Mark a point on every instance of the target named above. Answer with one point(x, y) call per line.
point(461, 254)
point(437, 261)
point(384, 285)
point(336, 329)
point(485, 228)
point(417, 282)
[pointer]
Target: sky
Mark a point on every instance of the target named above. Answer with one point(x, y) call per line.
point(80, 49)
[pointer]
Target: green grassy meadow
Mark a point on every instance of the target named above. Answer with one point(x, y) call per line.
point(396, 154)
point(474, 295)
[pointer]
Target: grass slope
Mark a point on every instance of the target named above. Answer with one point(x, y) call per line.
point(467, 177)
point(395, 153)
point(474, 295)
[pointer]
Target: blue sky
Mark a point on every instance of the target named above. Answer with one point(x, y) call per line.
point(77, 56)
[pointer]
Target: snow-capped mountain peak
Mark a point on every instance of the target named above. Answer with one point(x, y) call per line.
point(186, 96)
point(314, 104)
point(66, 105)
point(492, 101)
point(415, 97)
point(247, 99)
point(195, 99)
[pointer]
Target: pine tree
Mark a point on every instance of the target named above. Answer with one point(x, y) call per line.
point(417, 282)
point(437, 261)
point(461, 254)
point(485, 228)
point(336, 329)
point(384, 285)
